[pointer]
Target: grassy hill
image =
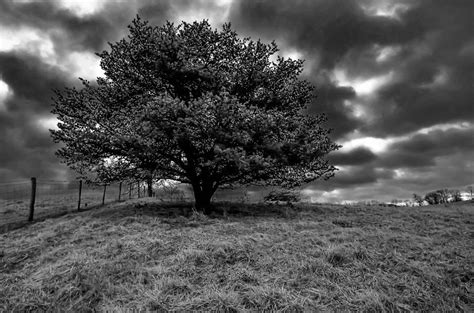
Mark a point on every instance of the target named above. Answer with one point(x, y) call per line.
point(144, 256)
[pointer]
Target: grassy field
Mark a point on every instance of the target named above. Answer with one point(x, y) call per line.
point(52, 203)
point(147, 256)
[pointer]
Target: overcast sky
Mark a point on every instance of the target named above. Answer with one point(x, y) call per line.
point(395, 77)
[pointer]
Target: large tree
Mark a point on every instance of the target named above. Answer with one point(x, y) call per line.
point(197, 105)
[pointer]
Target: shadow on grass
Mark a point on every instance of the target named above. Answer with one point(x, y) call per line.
point(221, 210)
point(176, 213)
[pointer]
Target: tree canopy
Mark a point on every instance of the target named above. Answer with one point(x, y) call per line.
point(197, 105)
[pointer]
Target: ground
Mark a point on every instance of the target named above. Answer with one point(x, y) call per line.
point(149, 256)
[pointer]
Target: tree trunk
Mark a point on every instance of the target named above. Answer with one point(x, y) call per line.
point(202, 199)
point(149, 181)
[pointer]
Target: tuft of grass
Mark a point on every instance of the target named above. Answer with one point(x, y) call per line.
point(146, 256)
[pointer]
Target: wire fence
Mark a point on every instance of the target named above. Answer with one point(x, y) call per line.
point(36, 199)
point(23, 201)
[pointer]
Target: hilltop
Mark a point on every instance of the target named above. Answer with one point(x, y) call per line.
point(145, 255)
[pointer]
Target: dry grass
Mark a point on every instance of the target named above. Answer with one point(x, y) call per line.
point(14, 212)
point(150, 257)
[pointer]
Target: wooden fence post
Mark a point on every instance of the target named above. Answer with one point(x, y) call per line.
point(130, 191)
point(32, 199)
point(80, 194)
point(103, 196)
point(120, 190)
point(138, 188)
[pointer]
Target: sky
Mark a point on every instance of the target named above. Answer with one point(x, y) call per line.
point(394, 77)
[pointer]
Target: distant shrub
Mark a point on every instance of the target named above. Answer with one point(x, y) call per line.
point(437, 197)
point(286, 196)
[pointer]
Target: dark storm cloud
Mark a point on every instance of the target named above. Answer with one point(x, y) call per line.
point(409, 107)
point(329, 28)
point(27, 148)
point(359, 175)
point(330, 100)
point(351, 176)
point(439, 142)
point(31, 81)
point(157, 12)
point(396, 159)
point(422, 149)
point(431, 36)
point(70, 31)
point(324, 31)
point(356, 156)
point(437, 159)
point(154, 12)
point(418, 164)
point(430, 62)
point(454, 171)
point(434, 75)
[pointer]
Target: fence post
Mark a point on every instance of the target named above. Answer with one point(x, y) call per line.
point(130, 191)
point(80, 194)
point(103, 196)
point(144, 191)
point(120, 190)
point(138, 188)
point(32, 199)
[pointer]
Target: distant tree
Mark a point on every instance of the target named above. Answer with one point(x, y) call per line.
point(456, 195)
point(469, 189)
point(418, 199)
point(433, 197)
point(195, 105)
point(438, 196)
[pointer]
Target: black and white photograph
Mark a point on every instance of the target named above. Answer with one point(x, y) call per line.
point(236, 155)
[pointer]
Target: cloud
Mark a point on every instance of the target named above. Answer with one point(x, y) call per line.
point(331, 28)
point(434, 78)
point(423, 149)
point(81, 8)
point(326, 31)
point(430, 159)
point(82, 64)
point(365, 86)
point(69, 30)
point(27, 149)
point(331, 100)
point(406, 54)
point(351, 176)
point(5, 93)
point(31, 82)
point(357, 156)
point(376, 145)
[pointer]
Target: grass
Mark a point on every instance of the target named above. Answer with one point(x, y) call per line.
point(148, 256)
point(14, 212)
